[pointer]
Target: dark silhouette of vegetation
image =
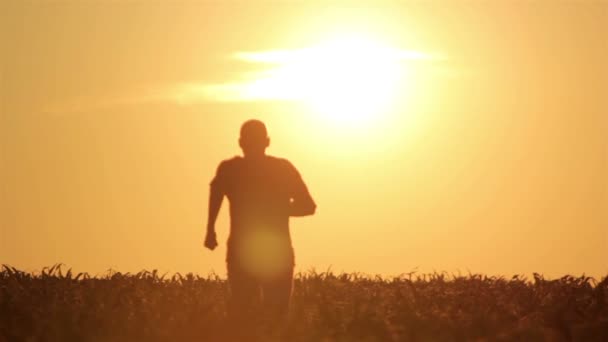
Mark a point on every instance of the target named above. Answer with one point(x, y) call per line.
point(54, 305)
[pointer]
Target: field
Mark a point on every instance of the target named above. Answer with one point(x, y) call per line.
point(56, 305)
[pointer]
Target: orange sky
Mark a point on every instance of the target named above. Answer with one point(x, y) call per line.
point(493, 160)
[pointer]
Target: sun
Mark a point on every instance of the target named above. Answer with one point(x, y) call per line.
point(347, 81)
point(357, 80)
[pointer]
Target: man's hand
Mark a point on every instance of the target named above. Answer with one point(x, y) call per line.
point(215, 202)
point(210, 240)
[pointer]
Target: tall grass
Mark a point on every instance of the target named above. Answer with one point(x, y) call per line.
point(53, 305)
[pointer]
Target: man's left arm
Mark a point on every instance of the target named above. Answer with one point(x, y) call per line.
point(302, 203)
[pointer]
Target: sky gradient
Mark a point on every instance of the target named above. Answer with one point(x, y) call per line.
point(493, 158)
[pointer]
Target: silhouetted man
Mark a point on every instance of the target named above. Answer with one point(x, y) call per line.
point(263, 192)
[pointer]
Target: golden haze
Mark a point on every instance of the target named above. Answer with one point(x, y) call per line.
point(491, 157)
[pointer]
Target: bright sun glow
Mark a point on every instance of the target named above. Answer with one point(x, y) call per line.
point(349, 81)
point(345, 82)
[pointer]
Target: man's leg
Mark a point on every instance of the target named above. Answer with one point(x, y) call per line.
point(277, 295)
point(244, 294)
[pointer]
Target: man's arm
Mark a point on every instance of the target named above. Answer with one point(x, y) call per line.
point(216, 196)
point(302, 203)
point(215, 203)
point(303, 206)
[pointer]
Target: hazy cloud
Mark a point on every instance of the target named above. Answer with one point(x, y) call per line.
point(278, 71)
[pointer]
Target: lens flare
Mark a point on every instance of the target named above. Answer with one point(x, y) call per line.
point(264, 253)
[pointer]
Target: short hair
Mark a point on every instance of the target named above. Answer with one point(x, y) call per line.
point(253, 130)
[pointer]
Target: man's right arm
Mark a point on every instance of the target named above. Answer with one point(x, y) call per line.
point(215, 203)
point(216, 196)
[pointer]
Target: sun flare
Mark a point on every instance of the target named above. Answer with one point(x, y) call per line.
point(345, 81)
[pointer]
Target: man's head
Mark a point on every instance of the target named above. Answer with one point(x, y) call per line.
point(254, 139)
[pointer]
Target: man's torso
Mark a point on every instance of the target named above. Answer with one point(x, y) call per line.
point(259, 192)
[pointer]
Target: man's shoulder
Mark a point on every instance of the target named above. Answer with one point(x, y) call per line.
point(281, 162)
point(284, 166)
point(274, 162)
point(229, 163)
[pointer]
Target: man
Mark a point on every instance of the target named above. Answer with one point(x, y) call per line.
point(263, 192)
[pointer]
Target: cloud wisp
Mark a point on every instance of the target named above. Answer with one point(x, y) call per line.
point(288, 75)
point(343, 68)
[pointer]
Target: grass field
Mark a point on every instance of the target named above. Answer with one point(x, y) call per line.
point(56, 305)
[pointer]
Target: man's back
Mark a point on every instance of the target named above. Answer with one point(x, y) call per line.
point(260, 191)
point(264, 192)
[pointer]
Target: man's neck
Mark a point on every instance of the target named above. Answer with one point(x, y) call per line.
point(255, 156)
